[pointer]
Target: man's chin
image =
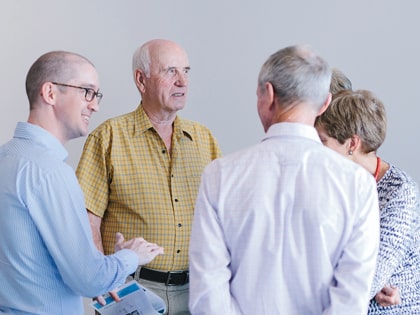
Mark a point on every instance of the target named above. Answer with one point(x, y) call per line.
point(179, 106)
point(84, 132)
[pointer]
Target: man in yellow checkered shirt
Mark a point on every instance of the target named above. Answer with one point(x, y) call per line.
point(140, 172)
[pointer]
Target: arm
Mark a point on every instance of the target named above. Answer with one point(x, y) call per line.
point(63, 224)
point(397, 228)
point(355, 268)
point(95, 224)
point(209, 268)
point(145, 251)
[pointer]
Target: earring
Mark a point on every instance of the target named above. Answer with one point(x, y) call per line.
point(350, 152)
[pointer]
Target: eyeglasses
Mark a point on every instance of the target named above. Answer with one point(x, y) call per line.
point(90, 94)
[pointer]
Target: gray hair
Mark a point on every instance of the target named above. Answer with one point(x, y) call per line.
point(54, 66)
point(339, 82)
point(297, 74)
point(141, 59)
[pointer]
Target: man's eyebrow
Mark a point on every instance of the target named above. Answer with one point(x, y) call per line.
point(89, 86)
point(175, 67)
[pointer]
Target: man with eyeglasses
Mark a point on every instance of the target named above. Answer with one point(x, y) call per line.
point(140, 172)
point(48, 259)
point(90, 93)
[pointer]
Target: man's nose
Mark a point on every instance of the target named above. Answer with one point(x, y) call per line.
point(182, 78)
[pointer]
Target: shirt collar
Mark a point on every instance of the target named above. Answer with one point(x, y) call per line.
point(181, 126)
point(41, 137)
point(292, 129)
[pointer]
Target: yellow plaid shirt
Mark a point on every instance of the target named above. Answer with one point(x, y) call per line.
point(139, 189)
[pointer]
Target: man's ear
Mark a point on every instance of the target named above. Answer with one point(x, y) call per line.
point(269, 91)
point(325, 105)
point(140, 79)
point(48, 93)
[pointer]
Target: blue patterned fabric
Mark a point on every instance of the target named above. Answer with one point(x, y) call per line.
point(48, 260)
point(399, 251)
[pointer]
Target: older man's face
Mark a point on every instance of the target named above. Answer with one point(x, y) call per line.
point(167, 85)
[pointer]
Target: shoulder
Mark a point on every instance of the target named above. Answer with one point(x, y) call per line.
point(396, 179)
point(196, 131)
point(398, 188)
point(193, 126)
point(307, 159)
point(44, 170)
point(112, 128)
point(114, 123)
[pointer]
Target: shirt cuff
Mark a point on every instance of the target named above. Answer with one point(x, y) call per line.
point(129, 260)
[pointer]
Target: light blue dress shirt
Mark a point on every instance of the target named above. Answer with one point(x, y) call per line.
point(48, 260)
point(287, 226)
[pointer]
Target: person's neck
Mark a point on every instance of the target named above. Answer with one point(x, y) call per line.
point(159, 119)
point(370, 162)
point(47, 122)
point(163, 124)
point(295, 114)
point(160, 122)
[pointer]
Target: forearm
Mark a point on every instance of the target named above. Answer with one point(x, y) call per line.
point(397, 228)
point(95, 224)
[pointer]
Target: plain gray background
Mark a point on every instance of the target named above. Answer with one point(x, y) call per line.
point(375, 42)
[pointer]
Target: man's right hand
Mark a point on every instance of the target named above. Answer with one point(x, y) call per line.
point(145, 251)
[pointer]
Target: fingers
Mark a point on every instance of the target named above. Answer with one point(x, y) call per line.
point(146, 258)
point(389, 295)
point(114, 295)
point(119, 237)
point(382, 299)
point(100, 299)
point(387, 290)
point(145, 251)
point(119, 241)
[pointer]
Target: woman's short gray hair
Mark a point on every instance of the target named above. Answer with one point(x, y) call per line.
point(358, 113)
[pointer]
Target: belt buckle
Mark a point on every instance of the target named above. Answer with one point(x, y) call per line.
point(181, 272)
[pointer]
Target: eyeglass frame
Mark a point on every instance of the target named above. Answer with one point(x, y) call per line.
point(91, 91)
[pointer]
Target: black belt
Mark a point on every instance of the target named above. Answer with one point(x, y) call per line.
point(168, 278)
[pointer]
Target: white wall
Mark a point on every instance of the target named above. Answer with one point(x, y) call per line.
point(375, 42)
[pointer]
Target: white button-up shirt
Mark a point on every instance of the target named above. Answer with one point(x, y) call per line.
point(285, 227)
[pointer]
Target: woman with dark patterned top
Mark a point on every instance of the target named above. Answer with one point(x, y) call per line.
point(354, 125)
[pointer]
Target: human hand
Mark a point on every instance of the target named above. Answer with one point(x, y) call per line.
point(101, 300)
point(389, 295)
point(145, 251)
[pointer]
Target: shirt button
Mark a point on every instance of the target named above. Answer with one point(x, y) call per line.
point(176, 200)
point(179, 224)
point(163, 151)
point(178, 251)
